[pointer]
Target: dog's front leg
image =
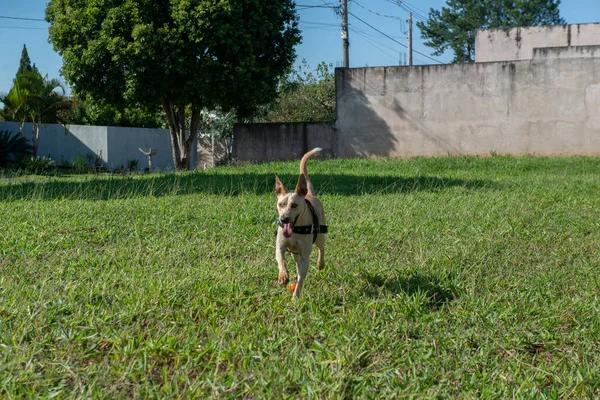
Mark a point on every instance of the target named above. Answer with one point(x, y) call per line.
point(302, 264)
point(280, 256)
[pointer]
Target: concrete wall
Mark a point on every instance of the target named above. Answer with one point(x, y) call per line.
point(118, 145)
point(546, 106)
point(206, 159)
point(281, 141)
point(124, 145)
point(518, 43)
point(63, 143)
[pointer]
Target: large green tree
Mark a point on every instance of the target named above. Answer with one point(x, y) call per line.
point(178, 54)
point(453, 27)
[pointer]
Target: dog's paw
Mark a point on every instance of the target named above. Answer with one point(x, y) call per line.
point(283, 279)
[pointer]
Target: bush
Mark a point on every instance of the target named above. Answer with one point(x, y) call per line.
point(132, 165)
point(83, 164)
point(13, 149)
point(38, 165)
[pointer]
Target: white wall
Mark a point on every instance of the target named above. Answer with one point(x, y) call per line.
point(63, 143)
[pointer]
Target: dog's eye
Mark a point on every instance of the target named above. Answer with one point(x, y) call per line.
point(281, 205)
point(294, 205)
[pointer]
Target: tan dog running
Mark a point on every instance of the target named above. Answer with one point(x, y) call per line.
point(301, 223)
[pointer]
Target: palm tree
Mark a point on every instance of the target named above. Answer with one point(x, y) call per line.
point(47, 106)
point(12, 147)
point(37, 100)
point(15, 105)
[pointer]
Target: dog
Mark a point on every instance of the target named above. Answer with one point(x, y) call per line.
point(301, 224)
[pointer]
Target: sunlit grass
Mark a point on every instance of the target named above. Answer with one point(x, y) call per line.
point(446, 277)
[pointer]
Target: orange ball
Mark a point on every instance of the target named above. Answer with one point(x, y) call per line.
point(292, 286)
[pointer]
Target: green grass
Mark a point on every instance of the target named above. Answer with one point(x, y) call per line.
point(455, 277)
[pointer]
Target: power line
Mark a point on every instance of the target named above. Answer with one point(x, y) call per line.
point(23, 19)
point(375, 44)
point(392, 39)
point(409, 8)
point(318, 23)
point(336, 8)
point(22, 27)
point(371, 37)
point(307, 7)
point(375, 12)
point(313, 6)
point(414, 7)
point(415, 14)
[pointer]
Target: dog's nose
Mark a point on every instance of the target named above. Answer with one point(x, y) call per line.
point(285, 220)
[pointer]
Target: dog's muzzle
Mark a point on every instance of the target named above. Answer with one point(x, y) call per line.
point(287, 226)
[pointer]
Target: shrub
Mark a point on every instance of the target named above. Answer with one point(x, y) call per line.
point(132, 165)
point(38, 165)
point(13, 149)
point(82, 164)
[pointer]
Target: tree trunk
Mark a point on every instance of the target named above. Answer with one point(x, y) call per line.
point(35, 132)
point(181, 141)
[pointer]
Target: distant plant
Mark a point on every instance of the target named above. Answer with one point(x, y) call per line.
point(120, 169)
point(132, 165)
point(38, 165)
point(65, 163)
point(82, 164)
point(13, 148)
point(304, 95)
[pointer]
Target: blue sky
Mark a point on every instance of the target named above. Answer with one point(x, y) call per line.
point(320, 26)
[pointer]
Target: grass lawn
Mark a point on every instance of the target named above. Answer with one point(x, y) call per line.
point(455, 277)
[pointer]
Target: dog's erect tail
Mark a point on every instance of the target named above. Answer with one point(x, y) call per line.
point(304, 171)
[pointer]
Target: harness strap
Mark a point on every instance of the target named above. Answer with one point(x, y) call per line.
point(313, 229)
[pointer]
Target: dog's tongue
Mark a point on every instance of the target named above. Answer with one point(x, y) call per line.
point(287, 230)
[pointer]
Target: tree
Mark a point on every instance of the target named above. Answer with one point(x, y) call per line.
point(25, 63)
point(177, 54)
point(46, 106)
point(87, 111)
point(16, 106)
point(304, 96)
point(454, 26)
point(37, 100)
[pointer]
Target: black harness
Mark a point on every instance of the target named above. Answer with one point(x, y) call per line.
point(313, 229)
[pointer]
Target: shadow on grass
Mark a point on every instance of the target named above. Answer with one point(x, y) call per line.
point(105, 187)
point(435, 291)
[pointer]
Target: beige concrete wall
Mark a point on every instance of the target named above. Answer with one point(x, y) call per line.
point(518, 43)
point(546, 106)
point(281, 141)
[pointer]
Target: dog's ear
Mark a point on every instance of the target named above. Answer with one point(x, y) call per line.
point(279, 187)
point(302, 186)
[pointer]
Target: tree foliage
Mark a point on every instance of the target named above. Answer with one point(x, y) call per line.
point(304, 96)
point(36, 99)
point(25, 63)
point(177, 54)
point(87, 111)
point(453, 27)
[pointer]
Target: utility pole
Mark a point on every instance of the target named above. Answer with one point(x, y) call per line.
point(345, 42)
point(410, 39)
